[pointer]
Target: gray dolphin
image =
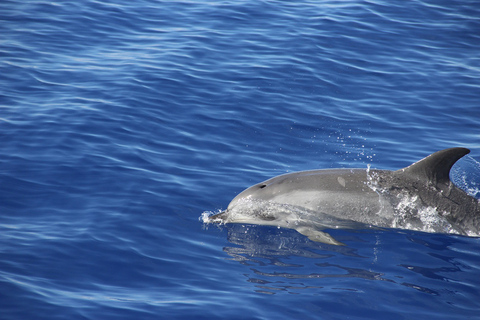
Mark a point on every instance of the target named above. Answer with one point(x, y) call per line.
point(418, 197)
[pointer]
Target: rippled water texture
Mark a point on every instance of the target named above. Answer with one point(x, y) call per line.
point(121, 122)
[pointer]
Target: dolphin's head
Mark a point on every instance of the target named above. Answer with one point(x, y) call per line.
point(253, 205)
point(260, 191)
point(248, 207)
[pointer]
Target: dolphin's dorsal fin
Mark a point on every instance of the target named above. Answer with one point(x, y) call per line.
point(435, 168)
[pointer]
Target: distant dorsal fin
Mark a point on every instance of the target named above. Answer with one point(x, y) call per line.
point(436, 167)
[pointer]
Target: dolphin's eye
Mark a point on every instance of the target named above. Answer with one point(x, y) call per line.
point(262, 186)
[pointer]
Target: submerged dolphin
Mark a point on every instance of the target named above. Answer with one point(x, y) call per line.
point(418, 197)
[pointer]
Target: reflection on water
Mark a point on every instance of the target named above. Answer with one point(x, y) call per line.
point(259, 243)
point(284, 260)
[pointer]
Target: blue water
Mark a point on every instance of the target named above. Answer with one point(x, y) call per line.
point(121, 122)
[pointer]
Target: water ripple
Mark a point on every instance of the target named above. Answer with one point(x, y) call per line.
point(122, 122)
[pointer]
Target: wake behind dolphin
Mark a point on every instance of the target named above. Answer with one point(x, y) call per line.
point(419, 197)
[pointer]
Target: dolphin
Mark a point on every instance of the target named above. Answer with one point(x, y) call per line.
point(419, 197)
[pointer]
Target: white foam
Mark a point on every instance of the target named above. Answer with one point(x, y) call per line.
point(205, 217)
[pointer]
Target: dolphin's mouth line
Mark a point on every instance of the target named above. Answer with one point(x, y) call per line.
point(219, 217)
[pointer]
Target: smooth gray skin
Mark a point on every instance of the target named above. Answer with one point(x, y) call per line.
point(339, 197)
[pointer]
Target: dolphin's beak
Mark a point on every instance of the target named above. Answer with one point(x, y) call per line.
point(219, 217)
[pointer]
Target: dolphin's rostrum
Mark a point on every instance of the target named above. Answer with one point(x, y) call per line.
point(418, 197)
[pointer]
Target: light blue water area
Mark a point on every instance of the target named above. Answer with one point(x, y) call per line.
point(122, 122)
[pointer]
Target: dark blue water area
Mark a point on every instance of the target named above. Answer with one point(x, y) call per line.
point(121, 122)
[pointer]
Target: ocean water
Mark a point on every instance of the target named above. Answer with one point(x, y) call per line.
point(121, 122)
